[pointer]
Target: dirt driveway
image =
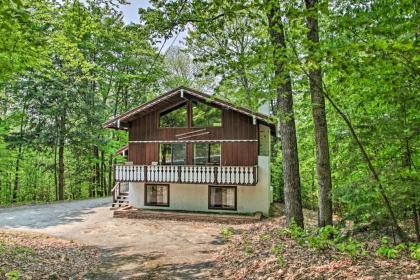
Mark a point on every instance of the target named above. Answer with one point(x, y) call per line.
point(132, 249)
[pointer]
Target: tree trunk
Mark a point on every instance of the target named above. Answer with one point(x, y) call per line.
point(292, 196)
point(110, 170)
point(55, 172)
point(323, 167)
point(19, 155)
point(96, 177)
point(61, 158)
point(416, 221)
point(17, 166)
point(103, 181)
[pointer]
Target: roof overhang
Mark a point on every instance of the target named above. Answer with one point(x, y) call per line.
point(122, 121)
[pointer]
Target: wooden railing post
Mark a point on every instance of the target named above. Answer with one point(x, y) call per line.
point(255, 174)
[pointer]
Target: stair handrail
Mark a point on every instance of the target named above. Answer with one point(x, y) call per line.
point(115, 192)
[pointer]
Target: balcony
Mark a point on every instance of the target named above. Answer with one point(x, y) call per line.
point(186, 174)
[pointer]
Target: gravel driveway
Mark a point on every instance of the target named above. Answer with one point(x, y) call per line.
point(132, 249)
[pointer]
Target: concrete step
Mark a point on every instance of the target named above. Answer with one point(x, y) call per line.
point(119, 203)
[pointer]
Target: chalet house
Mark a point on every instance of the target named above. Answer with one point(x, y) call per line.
point(190, 151)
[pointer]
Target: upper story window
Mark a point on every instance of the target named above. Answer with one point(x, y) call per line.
point(172, 154)
point(204, 115)
point(174, 117)
point(207, 154)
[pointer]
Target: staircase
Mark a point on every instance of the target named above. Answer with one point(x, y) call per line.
point(120, 195)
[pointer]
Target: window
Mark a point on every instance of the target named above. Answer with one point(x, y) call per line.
point(156, 195)
point(204, 115)
point(175, 117)
point(223, 198)
point(172, 154)
point(207, 154)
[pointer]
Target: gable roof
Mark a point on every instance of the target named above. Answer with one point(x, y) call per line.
point(120, 122)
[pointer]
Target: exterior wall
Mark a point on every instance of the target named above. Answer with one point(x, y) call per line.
point(235, 126)
point(193, 197)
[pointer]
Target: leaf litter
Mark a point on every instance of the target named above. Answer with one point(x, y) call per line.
point(38, 256)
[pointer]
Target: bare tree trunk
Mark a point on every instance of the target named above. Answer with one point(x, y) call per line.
point(323, 166)
point(96, 178)
point(416, 221)
point(16, 182)
point(19, 155)
point(61, 157)
point(55, 172)
point(102, 167)
point(110, 170)
point(292, 196)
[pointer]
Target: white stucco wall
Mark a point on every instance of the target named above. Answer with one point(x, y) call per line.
point(194, 197)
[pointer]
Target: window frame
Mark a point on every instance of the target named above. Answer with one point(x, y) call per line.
point(172, 154)
point(227, 187)
point(173, 108)
point(156, 205)
point(208, 144)
point(207, 104)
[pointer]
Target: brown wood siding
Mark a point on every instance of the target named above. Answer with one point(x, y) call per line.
point(235, 126)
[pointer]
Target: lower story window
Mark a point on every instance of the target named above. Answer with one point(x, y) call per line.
point(156, 195)
point(223, 198)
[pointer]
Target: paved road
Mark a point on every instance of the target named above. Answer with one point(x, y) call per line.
point(139, 249)
point(49, 215)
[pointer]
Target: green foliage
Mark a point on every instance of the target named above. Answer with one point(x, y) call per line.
point(389, 251)
point(351, 247)
point(414, 250)
point(326, 238)
point(72, 66)
point(296, 232)
point(227, 232)
point(13, 275)
point(67, 66)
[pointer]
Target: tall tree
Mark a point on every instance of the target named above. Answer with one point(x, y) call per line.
point(323, 166)
point(282, 80)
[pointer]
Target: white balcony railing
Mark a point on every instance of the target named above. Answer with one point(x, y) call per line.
point(226, 175)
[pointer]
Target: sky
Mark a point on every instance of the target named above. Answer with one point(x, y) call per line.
point(130, 12)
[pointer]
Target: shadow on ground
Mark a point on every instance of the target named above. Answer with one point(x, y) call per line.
point(146, 266)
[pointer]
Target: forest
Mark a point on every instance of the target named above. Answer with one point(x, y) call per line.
point(341, 78)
